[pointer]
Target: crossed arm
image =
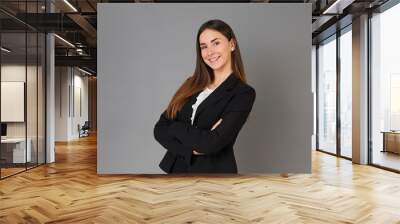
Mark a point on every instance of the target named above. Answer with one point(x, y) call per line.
point(182, 138)
point(169, 142)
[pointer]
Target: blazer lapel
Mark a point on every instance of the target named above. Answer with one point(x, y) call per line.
point(224, 88)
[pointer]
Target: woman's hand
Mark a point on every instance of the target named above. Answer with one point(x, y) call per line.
point(213, 127)
point(197, 153)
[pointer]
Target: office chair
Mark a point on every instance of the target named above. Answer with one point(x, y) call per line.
point(84, 130)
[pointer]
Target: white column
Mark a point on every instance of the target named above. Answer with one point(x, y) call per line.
point(50, 79)
point(360, 90)
point(50, 91)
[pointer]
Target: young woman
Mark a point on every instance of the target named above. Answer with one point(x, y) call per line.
point(204, 117)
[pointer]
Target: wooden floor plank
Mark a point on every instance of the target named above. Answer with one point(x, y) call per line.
point(70, 191)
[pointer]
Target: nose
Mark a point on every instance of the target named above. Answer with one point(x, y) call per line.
point(210, 52)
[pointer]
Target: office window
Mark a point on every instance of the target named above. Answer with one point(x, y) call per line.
point(346, 92)
point(327, 95)
point(385, 88)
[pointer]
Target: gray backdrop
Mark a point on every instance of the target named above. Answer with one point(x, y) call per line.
point(145, 51)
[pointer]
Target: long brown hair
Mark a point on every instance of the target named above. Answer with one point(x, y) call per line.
point(203, 74)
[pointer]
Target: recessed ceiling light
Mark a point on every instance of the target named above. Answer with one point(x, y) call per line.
point(328, 10)
point(5, 49)
point(64, 40)
point(70, 5)
point(86, 72)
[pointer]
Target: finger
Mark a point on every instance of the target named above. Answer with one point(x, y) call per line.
point(216, 124)
point(197, 153)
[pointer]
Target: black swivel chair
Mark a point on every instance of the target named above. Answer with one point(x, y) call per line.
point(84, 130)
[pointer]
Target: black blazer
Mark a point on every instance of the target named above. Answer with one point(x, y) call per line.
point(232, 101)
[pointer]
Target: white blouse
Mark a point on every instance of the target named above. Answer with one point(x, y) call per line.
point(202, 96)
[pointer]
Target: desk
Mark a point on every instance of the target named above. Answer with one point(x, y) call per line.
point(391, 141)
point(15, 148)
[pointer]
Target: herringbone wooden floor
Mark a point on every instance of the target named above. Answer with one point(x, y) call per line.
point(70, 191)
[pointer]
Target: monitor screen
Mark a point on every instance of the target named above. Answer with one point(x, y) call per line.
point(3, 129)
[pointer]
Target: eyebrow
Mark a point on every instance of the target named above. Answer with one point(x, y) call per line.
point(210, 41)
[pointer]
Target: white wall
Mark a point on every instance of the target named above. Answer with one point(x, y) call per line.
point(33, 126)
point(16, 73)
point(70, 83)
point(12, 73)
point(79, 117)
point(62, 80)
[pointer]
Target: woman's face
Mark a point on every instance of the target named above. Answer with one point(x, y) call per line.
point(215, 49)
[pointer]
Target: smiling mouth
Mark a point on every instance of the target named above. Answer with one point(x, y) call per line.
point(213, 60)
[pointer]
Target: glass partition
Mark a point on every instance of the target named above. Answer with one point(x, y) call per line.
point(22, 63)
point(41, 87)
point(32, 95)
point(13, 94)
